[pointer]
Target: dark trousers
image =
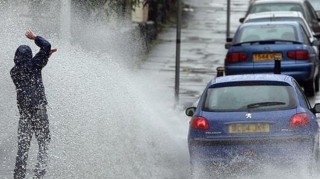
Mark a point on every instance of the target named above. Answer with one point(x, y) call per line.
point(34, 120)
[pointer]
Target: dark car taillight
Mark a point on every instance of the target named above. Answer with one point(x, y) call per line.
point(236, 57)
point(199, 123)
point(298, 54)
point(299, 120)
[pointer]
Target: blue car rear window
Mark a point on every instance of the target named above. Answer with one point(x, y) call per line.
point(267, 32)
point(249, 97)
point(274, 19)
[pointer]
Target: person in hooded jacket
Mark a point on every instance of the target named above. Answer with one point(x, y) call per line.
point(31, 101)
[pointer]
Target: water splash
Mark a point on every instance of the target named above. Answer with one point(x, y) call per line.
point(107, 118)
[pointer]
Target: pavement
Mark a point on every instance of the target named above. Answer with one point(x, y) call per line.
point(203, 36)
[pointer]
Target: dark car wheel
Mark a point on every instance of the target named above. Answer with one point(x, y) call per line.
point(316, 82)
point(309, 87)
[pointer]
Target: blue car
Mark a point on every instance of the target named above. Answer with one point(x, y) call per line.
point(256, 46)
point(260, 117)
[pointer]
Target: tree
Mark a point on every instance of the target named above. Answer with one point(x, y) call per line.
point(119, 3)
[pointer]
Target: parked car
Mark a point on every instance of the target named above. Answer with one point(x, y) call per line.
point(285, 16)
point(302, 6)
point(257, 45)
point(260, 118)
point(316, 6)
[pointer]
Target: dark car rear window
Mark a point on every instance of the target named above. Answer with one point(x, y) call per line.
point(249, 97)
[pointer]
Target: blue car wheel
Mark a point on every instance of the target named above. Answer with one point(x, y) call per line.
point(203, 170)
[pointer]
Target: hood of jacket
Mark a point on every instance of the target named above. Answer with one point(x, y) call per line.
point(23, 53)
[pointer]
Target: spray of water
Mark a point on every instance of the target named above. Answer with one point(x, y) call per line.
point(107, 118)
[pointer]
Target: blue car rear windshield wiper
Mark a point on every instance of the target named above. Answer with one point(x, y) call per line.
point(272, 41)
point(257, 105)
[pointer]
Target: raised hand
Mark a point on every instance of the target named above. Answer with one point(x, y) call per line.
point(52, 50)
point(31, 35)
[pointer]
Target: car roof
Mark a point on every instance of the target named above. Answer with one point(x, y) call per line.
point(278, 1)
point(274, 14)
point(253, 77)
point(293, 23)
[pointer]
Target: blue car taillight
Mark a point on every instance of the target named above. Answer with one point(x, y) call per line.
point(299, 120)
point(198, 122)
point(236, 57)
point(298, 54)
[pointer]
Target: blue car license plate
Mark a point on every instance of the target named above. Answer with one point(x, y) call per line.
point(266, 56)
point(249, 128)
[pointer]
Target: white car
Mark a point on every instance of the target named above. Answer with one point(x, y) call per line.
point(303, 6)
point(283, 16)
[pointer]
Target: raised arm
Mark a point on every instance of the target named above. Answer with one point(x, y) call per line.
point(41, 58)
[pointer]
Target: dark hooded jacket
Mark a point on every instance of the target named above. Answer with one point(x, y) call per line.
point(26, 74)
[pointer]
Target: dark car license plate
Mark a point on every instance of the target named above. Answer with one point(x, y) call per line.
point(266, 56)
point(248, 128)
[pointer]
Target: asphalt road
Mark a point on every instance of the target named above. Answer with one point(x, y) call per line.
point(203, 37)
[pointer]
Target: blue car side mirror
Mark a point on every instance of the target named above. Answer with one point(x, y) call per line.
point(190, 111)
point(316, 108)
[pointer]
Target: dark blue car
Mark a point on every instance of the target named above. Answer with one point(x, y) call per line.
point(262, 117)
point(257, 45)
